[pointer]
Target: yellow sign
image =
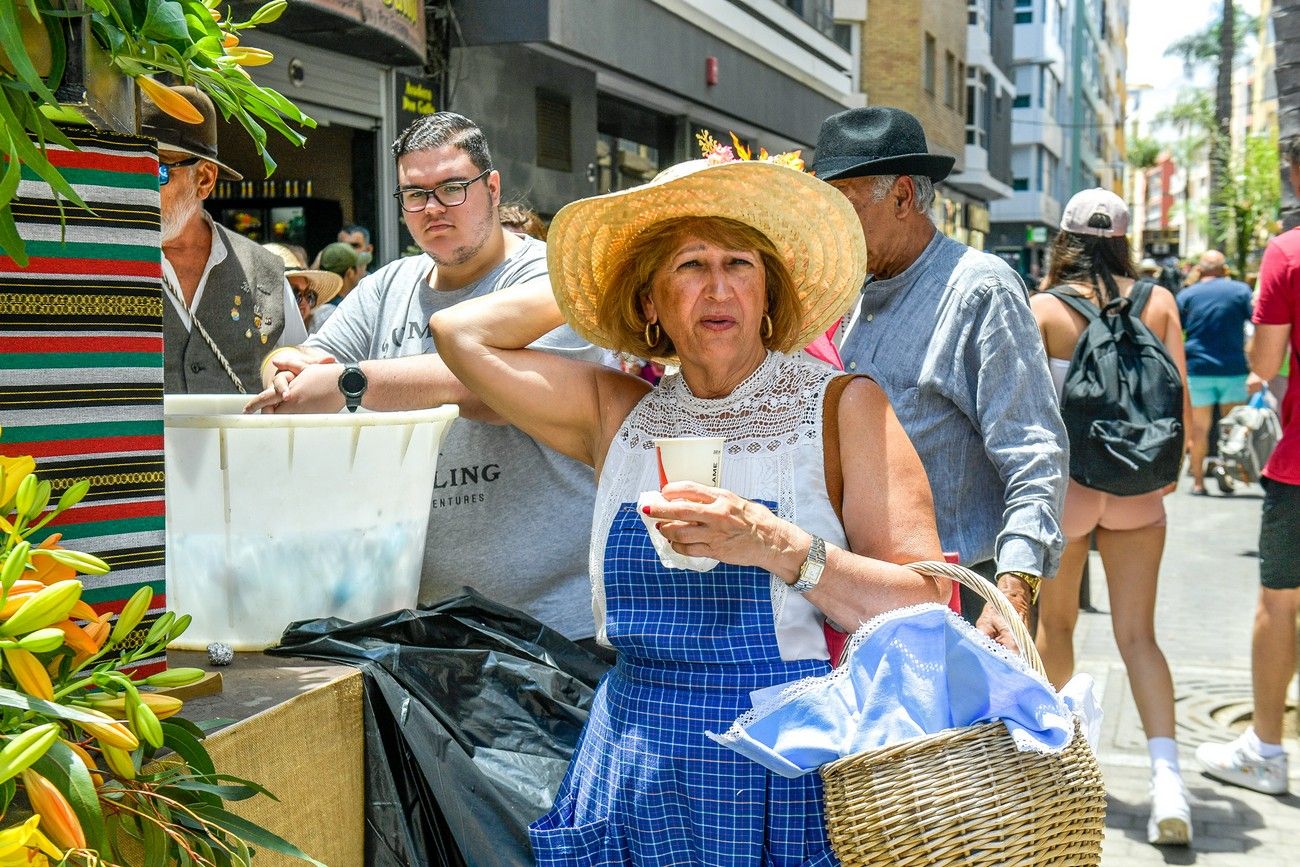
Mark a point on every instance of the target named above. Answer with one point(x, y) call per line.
point(408, 9)
point(416, 98)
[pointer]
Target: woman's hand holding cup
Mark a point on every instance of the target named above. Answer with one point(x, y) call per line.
point(703, 521)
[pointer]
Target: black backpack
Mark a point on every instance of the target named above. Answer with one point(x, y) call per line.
point(1123, 400)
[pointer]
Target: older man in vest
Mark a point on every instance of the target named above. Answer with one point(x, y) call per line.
point(229, 303)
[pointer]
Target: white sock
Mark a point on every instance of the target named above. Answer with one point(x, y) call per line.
point(1164, 757)
point(1263, 750)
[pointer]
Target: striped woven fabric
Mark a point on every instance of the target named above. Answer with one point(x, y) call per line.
point(81, 364)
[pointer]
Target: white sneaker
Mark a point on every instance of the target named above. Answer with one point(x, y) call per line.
point(1240, 765)
point(1171, 816)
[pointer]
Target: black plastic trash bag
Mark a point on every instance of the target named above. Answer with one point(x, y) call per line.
point(472, 713)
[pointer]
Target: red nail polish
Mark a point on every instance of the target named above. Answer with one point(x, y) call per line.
point(645, 509)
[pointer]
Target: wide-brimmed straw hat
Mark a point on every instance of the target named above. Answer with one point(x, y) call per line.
point(326, 284)
point(811, 224)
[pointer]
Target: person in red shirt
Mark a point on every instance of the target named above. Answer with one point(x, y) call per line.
point(1256, 759)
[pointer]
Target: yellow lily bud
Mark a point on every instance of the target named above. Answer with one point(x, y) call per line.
point(24, 748)
point(110, 732)
point(57, 816)
point(245, 56)
point(162, 706)
point(118, 761)
point(132, 613)
point(169, 100)
point(43, 609)
point(30, 675)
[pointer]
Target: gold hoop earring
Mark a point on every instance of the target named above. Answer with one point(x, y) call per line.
point(765, 327)
point(652, 342)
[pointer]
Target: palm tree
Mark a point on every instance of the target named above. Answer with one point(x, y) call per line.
point(1142, 154)
point(1193, 116)
point(1206, 47)
point(1221, 144)
point(1220, 43)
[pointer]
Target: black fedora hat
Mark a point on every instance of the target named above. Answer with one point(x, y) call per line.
point(173, 134)
point(876, 141)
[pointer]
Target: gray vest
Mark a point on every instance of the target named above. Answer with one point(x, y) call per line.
point(242, 309)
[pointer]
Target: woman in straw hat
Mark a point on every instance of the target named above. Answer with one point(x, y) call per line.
point(721, 268)
point(311, 288)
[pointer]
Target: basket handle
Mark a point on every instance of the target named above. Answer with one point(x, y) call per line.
point(992, 595)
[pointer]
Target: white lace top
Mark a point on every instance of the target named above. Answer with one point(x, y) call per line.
point(772, 423)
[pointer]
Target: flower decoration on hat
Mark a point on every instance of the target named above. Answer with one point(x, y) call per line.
point(717, 153)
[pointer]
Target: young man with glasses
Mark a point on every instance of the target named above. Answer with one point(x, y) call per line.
point(228, 301)
point(498, 492)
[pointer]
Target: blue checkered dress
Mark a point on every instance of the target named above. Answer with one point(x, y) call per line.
point(646, 787)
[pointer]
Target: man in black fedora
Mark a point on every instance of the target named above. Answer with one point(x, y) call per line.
point(229, 303)
point(947, 332)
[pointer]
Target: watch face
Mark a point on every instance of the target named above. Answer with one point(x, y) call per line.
point(352, 382)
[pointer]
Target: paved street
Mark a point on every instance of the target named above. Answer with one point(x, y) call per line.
point(1207, 596)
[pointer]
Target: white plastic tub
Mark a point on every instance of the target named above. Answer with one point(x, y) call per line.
point(277, 518)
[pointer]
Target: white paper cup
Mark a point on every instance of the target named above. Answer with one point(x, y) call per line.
point(690, 459)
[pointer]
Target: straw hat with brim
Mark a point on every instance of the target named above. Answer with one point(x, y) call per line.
point(325, 284)
point(195, 139)
point(811, 224)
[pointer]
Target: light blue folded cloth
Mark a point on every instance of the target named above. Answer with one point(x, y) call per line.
point(906, 673)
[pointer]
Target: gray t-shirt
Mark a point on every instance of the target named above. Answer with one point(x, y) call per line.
point(510, 518)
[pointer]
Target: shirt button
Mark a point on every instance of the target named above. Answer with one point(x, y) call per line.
point(196, 368)
point(853, 365)
point(870, 316)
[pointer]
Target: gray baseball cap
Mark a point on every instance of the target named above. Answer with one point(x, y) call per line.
point(1096, 212)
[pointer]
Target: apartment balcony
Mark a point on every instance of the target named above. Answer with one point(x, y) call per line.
point(1037, 126)
point(979, 50)
point(1034, 44)
point(1027, 206)
point(975, 179)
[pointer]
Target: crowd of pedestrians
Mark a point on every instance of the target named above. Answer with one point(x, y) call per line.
point(1006, 429)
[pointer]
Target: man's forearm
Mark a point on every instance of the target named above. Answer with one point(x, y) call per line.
point(418, 382)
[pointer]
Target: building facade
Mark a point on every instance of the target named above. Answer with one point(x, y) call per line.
point(347, 65)
point(985, 173)
point(1023, 224)
point(1095, 120)
point(1067, 120)
point(576, 103)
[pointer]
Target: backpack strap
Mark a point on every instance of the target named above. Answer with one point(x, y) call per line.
point(1083, 308)
point(1138, 297)
point(831, 466)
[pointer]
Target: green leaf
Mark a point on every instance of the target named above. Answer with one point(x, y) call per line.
point(108, 33)
point(34, 157)
point(199, 729)
point(156, 844)
point(64, 768)
point(7, 791)
point(251, 833)
point(238, 792)
point(9, 698)
point(192, 751)
point(10, 241)
point(11, 41)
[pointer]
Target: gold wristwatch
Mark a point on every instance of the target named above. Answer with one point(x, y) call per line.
point(1033, 581)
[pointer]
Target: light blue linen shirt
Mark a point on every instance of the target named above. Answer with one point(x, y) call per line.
point(954, 345)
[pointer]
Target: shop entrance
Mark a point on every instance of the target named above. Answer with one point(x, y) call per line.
point(632, 144)
point(317, 189)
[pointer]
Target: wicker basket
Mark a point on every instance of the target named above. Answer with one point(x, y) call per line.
point(967, 796)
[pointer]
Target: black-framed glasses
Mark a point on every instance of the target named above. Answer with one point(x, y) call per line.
point(415, 199)
point(308, 295)
point(165, 169)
